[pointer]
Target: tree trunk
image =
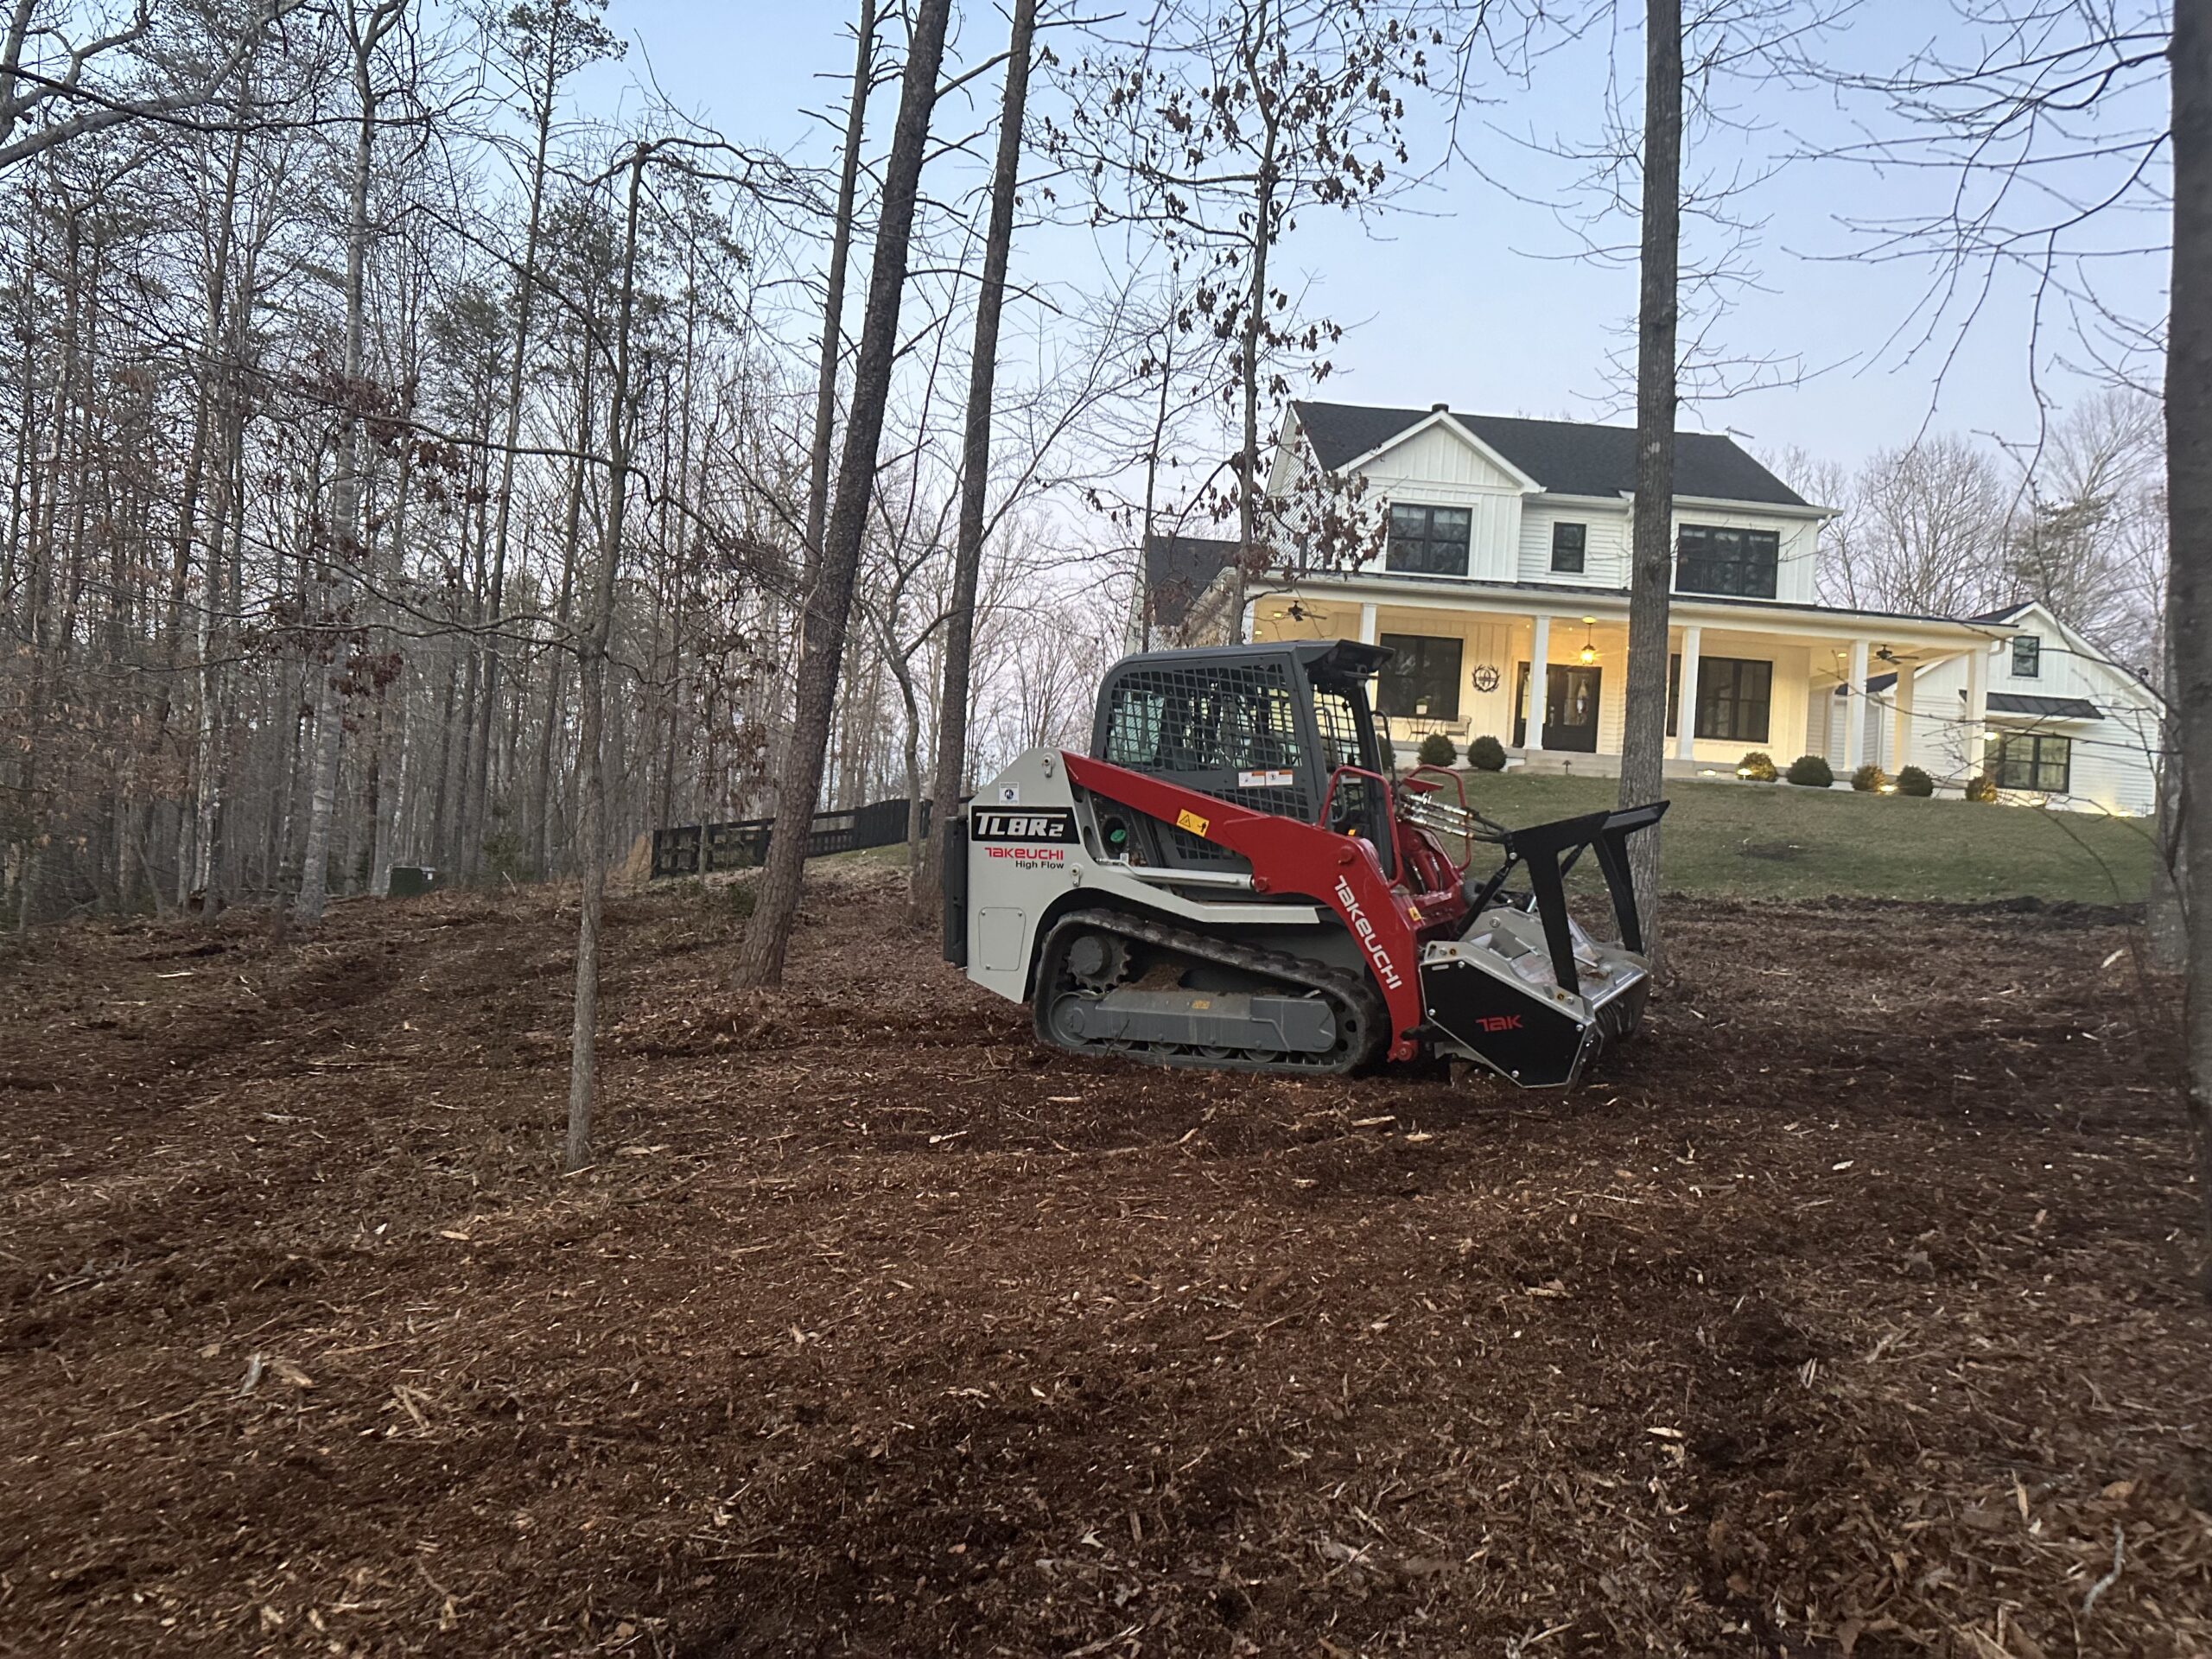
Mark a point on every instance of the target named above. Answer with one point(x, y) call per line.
point(830, 598)
point(975, 469)
point(1248, 458)
point(345, 491)
point(524, 302)
point(2166, 917)
point(833, 308)
point(1643, 734)
point(583, 1057)
point(2189, 506)
point(572, 534)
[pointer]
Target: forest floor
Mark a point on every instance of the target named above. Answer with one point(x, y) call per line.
point(1848, 1312)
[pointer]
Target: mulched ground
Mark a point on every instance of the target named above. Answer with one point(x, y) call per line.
point(1848, 1313)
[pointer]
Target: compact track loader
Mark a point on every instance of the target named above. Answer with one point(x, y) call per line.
point(1230, 879)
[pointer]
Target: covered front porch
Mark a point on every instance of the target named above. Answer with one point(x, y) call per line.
point(1761, 678)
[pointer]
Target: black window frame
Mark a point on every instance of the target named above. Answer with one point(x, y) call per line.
point(1732, 560)
point(2007, 774)
point(1710, 703)
point(1412, 672)
point(2033, 670)
point(1428, 551)
point(1579, 551)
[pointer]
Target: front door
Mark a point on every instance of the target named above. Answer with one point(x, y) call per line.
point(1570, 708)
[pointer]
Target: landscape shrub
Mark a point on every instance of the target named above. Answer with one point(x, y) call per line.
point(1911, 780)
point(1486, 754)
point(1811, 772)
point(1437, 750)
point(1981, 787)
point(1869, 779)
point(1759, 767)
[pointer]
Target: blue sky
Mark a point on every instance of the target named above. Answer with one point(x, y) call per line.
point(1474, 298)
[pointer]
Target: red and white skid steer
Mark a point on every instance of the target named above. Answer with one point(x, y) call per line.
point(1230, 879)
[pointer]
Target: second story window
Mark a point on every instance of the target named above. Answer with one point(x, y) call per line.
point(1429, 540)
point(2027, 655)
point(1723, 559)
point(1570, 544)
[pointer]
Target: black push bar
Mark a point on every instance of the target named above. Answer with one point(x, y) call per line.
point(1549, 851)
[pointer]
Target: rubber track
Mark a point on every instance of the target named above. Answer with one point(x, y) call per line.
point(1347, 992)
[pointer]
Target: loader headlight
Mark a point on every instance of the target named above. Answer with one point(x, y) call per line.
point(1117, 836)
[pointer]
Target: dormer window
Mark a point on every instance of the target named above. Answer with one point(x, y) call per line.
point(1429, 540)
point(2027, 657)
point(1570, 548)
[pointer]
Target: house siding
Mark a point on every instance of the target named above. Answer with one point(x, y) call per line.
point(1605, 545)
point(2113, 759)
point(1439, 467)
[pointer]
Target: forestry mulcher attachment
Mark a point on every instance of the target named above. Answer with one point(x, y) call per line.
point(1230, 879)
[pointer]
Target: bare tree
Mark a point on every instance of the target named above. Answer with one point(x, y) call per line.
point(833, 305)
point(975, 460)
point(1221, 125)
point(366, 30)
point(592, 660)
point(184, 81)
point(1929, 537)
point(1651, 573)
point(829, 601)
point(550, 42)
point(2189, 506)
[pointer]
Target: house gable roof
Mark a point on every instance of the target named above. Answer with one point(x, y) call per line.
point(1564, 457)
point(2018, 614)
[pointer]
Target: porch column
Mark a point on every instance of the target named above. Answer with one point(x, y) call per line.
point(1900, 715)
point(1854, 710)
point(1540, 656)
point(1686, 699)
point(1976, 732)
point(1367, 625)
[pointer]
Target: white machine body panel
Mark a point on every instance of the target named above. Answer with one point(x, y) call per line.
point(1033, 847)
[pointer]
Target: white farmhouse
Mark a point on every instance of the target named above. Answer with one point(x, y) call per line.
point(2066, 725)
point(1498, 570)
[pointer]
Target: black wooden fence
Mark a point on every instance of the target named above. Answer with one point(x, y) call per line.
point(704, 848)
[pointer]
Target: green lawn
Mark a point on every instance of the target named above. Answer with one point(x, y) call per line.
point(1773, 841)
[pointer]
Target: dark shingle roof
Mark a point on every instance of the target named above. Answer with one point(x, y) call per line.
point(1565, 457)
point(2015, 702)
point(1177, 569)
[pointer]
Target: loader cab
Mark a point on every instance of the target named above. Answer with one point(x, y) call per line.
point(1268, 726)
